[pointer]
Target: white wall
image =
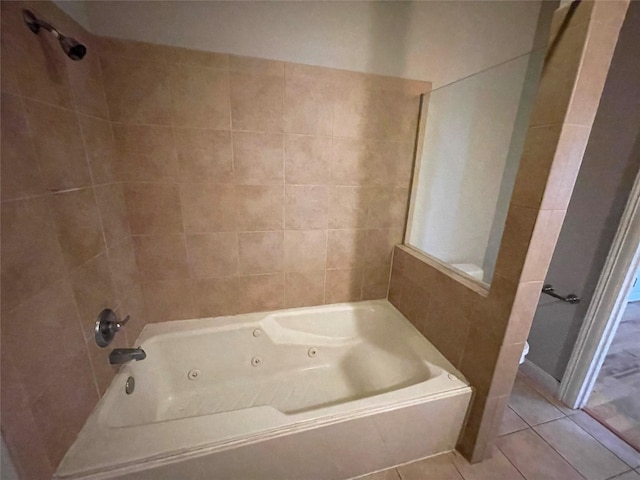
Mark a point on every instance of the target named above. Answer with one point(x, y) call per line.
point(435, 41)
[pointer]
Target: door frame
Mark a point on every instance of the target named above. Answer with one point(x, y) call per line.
point(606, 307)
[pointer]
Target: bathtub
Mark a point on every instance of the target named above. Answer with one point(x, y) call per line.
point(334, 391)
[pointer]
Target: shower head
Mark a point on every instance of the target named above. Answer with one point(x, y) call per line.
point(74, 49)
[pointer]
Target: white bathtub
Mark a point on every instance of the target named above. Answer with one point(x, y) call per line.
point(325, 392)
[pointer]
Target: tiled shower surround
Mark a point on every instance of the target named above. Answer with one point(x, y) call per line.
point(254, 184)
point(197, 184)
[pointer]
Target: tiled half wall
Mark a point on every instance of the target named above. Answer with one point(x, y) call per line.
point(482, 331)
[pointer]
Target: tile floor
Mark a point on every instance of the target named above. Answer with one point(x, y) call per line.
point(540, 439)
point(615, 400)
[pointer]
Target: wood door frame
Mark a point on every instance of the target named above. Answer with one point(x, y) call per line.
point(606, 308)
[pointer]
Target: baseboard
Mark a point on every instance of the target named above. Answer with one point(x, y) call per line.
point(539, 376)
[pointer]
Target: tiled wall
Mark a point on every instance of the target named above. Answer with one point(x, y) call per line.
point(256, 185)
point(66, 246)
point(483, 332)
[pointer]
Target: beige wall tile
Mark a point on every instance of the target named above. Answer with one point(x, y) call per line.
point(447, 327)
point(93, 291)
point(258, 158)
point(524, 308)
point(101, 149)
point(542, 245)
point(261, 292)
point(137, 90)
point(102, 371)
point(480, 358)
point(375, 282)
point(60, 416)
point(349, 162)
point(214, 297)
point(305, 250)
point(145, 153)
point(378, 245)
point(132, 50)
point(309, 99)
point(77, 221)
point(346, 248)
point(348, 207)
point(208, 208)
point(85, 80)
point(344, 285)
point(61, 156)
point(212, 255)
point(306, 207)
point(304, 289)
point(259, 207)
point(388, 207)
point(260, 252)
point(199, 97)
point(558, 77)
point(414, 303)
point(516, 237)
point(153, 208)
point(124, 270)
point(307, 160)
point(113, 212)
point(31, 254)
point(204, 155)
point(161, 257)
point(20, 172)
point(30, 342)
point(168, 300)
point(257, 94)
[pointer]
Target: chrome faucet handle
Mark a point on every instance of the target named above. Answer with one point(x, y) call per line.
point(107, 325)
point(121, 324)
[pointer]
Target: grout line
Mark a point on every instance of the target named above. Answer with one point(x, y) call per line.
point(509, 460)
point(553, 448)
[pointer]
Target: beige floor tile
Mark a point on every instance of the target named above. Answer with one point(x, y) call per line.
point(543, 391)
point(511, 422)
point(581, 450)
point(620, 448)
point(495, 468)
point(534, 458)
point(440, 467)
point(391, 474)
point(532, 407)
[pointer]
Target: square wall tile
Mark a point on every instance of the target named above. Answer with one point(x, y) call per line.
point(153, 208)
point(145, 153)
point(31, 254)
point(208, 207)
point(137, 90)
point(307, 160)
point(213, 297)
point(101, 149)
point(78, 226)
point(259, 207)
point(199, 97)
point(257, 94)
point(168, 300)
point(346, 248)
point(348, 207)
point(212, 255)
point(375, 282)
point(124, 269)
point(58, 142)
point(259, 293)
point(85, 80)
point(309, 99)
point(161, 257)
point(204, 155)
point(306, 207)
point(260, 252)
point(258, 158)
point(305, 250)
point(344, 285)
point(113, 212)
point(20, 173)
point(304, 289)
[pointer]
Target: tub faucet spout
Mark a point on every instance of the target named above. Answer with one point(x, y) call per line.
point(123, 355)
